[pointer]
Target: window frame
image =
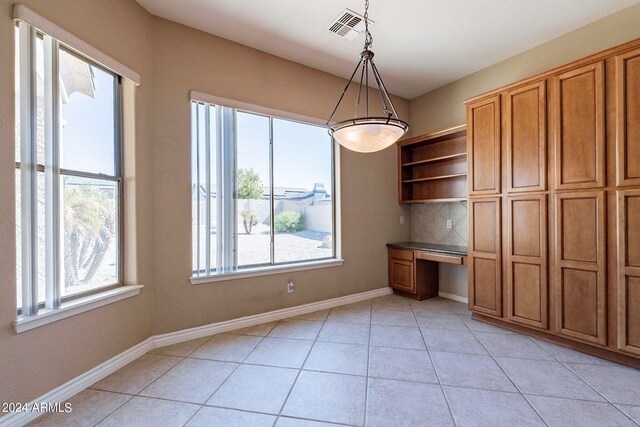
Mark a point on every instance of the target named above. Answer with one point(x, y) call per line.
point(272, 267)
point(54, 300)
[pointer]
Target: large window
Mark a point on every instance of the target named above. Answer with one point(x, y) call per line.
point(262, 190)
point(68, 173)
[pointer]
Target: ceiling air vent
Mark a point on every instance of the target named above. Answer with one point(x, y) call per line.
point(348, 25)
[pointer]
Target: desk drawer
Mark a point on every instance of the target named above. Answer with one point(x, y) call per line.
point(447, 259)
point(401, 254)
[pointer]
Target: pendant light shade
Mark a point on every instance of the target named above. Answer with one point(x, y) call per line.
point(367, 134)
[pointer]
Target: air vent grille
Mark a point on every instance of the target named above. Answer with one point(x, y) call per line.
point(348, 25)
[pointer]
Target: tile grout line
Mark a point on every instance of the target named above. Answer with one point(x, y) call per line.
point(366, 389)
point(435, 371)
point(230, 374)
point(510, 379)
point(594, 388)
point(300, 369)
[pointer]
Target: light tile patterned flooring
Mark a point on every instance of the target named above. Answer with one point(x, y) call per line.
point(389, 361)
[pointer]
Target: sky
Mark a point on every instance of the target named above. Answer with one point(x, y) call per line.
point(88, 127)
point(302, 153)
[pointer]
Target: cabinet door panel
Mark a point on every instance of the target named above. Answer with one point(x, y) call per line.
point(629, 271)
point(628, 117)
point(484, 234)
point(527, 284)
point(525, 138)
point(581, 266)
point(579, 123)
point(485, 281)
point(402, 275)
point(580, 302)
point(483, 146)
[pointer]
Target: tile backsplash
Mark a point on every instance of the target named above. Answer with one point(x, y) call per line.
point(429, 223)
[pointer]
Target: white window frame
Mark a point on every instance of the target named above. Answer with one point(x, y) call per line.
point(227, 157)
point(32, 314)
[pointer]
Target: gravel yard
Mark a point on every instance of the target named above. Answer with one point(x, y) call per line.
point(254, 248)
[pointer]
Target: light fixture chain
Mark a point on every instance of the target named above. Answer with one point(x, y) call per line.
point(368, 38)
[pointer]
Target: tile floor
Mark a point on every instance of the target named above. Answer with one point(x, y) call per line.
point(390, 361)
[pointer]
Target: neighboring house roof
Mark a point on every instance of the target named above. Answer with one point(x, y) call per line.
point(279, 193)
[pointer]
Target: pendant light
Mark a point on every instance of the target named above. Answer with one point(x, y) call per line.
point(368, 133)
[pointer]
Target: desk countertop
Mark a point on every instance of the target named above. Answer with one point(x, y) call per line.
point(430, 247)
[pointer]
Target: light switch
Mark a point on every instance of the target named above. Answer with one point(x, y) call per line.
point(449, 223)
point(401, 219)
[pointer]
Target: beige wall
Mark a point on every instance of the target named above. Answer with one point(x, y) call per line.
point(188, 59)
point(39, 360)
point(443, 107)
point(172, 60)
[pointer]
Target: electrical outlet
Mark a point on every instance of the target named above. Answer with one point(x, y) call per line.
point(449, 223)
point(401, 219)
point(290, 286)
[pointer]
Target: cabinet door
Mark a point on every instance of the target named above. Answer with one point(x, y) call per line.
point(579, 128)
point(527, 285)
point(581, 266)
point(402, 275)
point(525, 138)
point(485, 281)
point(629, 271)
point(483, 146)
point(628, 117)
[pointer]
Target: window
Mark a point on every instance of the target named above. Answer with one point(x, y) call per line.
point(68, 173)
point(262, 191)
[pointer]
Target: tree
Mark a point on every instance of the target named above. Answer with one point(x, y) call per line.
point(89, 224)
point(248, 186)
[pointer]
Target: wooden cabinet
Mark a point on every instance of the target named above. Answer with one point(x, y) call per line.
point(483, 146)
point(580, 231)
point(525, 138)
point(414, 273)
point(579, 127)
point(433, 167)
point(569, 187)
point(401, 272)
point(629, 271)
point(527, 287)
point(485, 256)
point(628, 117)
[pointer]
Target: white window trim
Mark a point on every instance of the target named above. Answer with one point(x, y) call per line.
point(23, 13)
point(293, 266)
point(268, 270)
point(75, 306)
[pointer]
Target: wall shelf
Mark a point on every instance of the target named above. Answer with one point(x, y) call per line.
point(432, 178)
point(433, 167)
point(436, 159)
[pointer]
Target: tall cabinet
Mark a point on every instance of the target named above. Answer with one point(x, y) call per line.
point(554, 204)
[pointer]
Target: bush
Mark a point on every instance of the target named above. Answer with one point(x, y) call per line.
point(289, 221)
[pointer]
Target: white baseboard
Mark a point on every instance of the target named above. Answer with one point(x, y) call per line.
point(82, 381)
point(271, 316)
point(79, 383)
point(453, 297)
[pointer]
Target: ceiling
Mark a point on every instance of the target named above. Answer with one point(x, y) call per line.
point(420, 45)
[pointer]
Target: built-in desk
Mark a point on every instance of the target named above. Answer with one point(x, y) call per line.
point(413, 266)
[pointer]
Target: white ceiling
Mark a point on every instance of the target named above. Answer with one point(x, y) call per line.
point(419, 44)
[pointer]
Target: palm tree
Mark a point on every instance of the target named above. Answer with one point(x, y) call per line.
point(89, 224)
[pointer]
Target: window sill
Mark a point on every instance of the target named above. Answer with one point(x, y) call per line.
point(264, 271)
point(74, 307)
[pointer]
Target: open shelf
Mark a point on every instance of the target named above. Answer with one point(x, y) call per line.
point(448, 200)
point(436, 159)
point(433, 167)
point(431, 178)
